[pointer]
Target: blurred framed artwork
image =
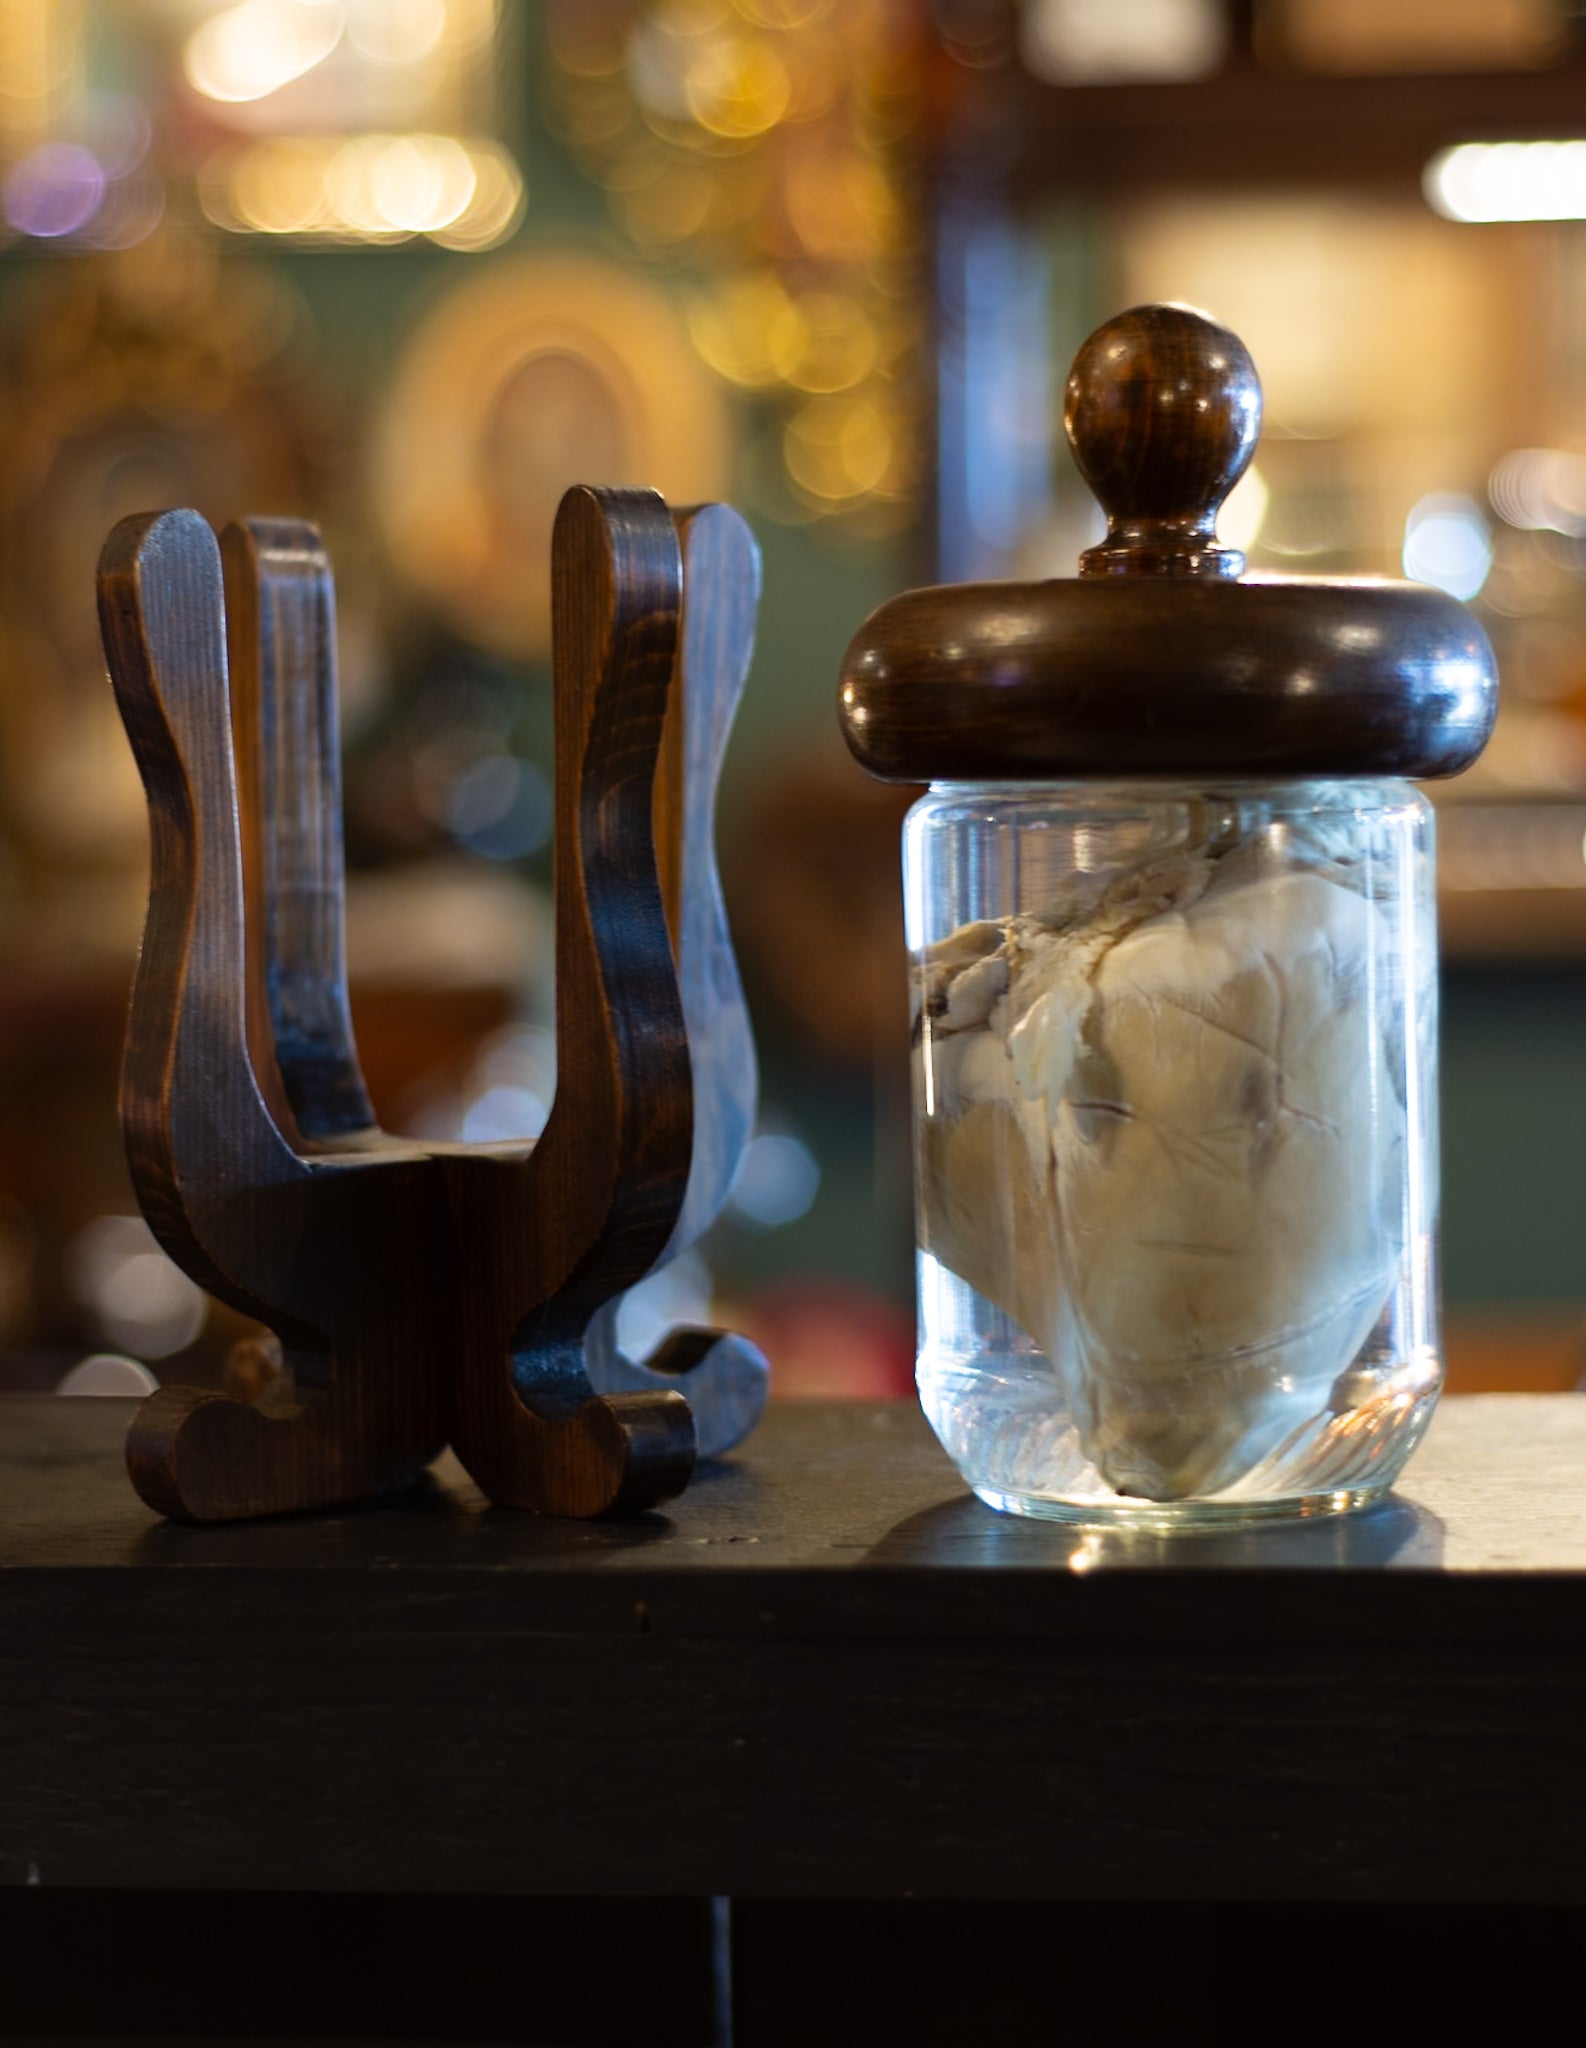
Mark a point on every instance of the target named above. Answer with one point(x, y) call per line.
point(533, 374)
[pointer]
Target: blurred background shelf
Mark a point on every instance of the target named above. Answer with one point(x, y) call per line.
point(409, 269)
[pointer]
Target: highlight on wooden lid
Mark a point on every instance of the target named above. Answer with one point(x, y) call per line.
point(1157, 659)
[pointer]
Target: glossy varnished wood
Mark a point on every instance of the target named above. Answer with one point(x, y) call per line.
point(547, 1235)
point(1157, 661)
point(980, 682)
point(727, 1377)
point(330, 1255)
point(1162, 410)
point(421, 1290)
point(281, 614)
point(281, 647)
point(826, 1670)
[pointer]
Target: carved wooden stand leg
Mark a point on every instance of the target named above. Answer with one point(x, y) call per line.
point(330, 1253)
point(547, 1235)
point(724, 1376)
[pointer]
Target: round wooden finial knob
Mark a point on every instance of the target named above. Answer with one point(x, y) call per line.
point(1162, 409)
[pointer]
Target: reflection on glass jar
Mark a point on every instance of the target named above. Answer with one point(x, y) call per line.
point(1174, 1063)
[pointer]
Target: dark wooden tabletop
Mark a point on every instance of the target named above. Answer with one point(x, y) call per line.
point(825, 1671)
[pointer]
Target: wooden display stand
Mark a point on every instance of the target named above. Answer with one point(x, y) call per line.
point(431, 1293)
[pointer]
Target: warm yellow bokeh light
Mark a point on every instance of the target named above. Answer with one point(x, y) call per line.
point(746, 328)
point(818, 82)
point(738, 88)
point(671, 207)
point(422, 182)
point(588, 46)
point(470, 25)
point(349, 184)
point(279, 189)
point(467, 196)
point(496, 208)
point(42, 58)
point(691, 17)
point(832, 348)
point(864, 446)
point(752, 136)
point(839, 448)
point(782, 14)
point(254, 49)
point(644, 163)
point(839, 209)
point(602, 114)
point(395, 31)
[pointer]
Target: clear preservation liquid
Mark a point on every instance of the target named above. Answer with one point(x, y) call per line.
point(1176, 1172)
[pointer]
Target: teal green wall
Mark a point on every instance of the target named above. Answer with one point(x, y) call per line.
point(1514, 1134)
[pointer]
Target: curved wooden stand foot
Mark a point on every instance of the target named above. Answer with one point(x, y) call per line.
point(724, 1377)
point(603, 1457)
point(198, 1456)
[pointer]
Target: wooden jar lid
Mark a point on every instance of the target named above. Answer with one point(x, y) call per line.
point(1158, 660)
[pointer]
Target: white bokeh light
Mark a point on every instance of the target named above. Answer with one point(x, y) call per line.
point(1447, 544)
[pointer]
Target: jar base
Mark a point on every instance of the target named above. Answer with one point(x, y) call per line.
point(1163, 1518)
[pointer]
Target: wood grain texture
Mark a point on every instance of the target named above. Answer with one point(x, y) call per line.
point(1157, 661)
point(283, 632)
point(416, 1289)
point(1162, 410)
point(827, 1671)
point(281, 647)
point(1040, 682)
point(328, 1255)
point(727, 1378)
point(547, 1235)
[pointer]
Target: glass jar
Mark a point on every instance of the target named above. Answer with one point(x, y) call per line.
point(1170, 908)
point(1175, 1100)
